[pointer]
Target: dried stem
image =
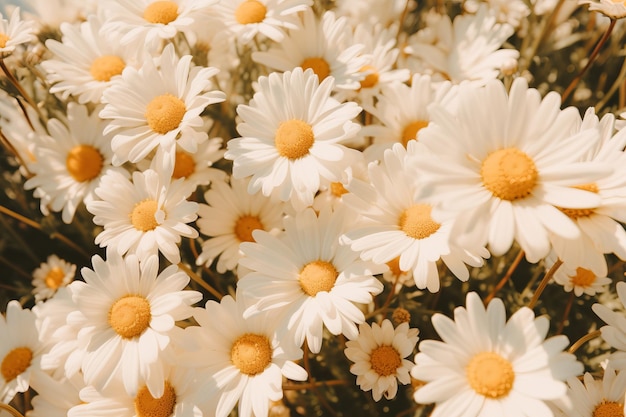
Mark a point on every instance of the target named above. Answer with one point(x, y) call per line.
point(10, 410)
point(568, 308)
point(544, 283)
point(197, 279)
point(506, 277)
point(589, 336)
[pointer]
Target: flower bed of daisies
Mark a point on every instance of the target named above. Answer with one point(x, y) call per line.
point(312, 208)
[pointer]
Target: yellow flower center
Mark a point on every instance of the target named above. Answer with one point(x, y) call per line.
point(400, 315)
point(609, 409)
point(164, 113)
point(385, 360)
point(54, 278)
point(583, 277)
point(417, 223)
point(142, 217)
point(578, 213)
point(394, 266)
point(84, 162)
point(15, 362)
point(106, 67)
point(318, 65)
point(4, 38)
point(251, 353)
point(184, 165)
point(490, 375)
point(509, 174)
point(148, 406)
point(370, 79)
point(411, 131)
point(162, 12)
point(317, 276)
point(294, 138)
point(244, 227)
point(337, 189)
point(250, 11)
point(130, 316)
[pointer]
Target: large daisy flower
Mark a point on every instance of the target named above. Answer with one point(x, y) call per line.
point(308, 278)
point(126, 312)
point(51, 275)
point(144, 216)
point(158, 105)
point(485, 367)
point(508, 162)
point(292, 131)
point(14, 32)
point(614, 333)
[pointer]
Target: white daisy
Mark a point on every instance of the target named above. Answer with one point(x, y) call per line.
point(158, 105)
point(56, 397)
point(54, 12)
point(241, 360)
point(292, 132)
point(614, 333)
point(379, 354)
point(308, 278)
point(229, 218)
point(14, 32)
point(126, 313)
point(50, 276)
point(373, 11)
point(486, 367)
point(145, 216)
point(612, 8)
point(17, 131)
point(508, 161)
point(70, 161)
point(578, 279)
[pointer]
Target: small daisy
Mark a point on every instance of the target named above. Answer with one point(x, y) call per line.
point(379, 355)
point(485, 367)
point(611, 8)
point(145, 216)
point(126, 313)
point(229, 219)
point(614, 333)
point(50, 276)
point(14, 32)
point(578, 279)
point(70, 161)
point(242, 360)
point(158, 106)
point(292, 133)
point(308, 278)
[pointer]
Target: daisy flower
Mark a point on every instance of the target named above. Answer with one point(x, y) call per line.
point(158, 105)
point(614, 333)
point(70, 161)
point(508, 173)
point(145, 216)
point(126, 312)
point(241, 359)
point(229, 219)
point(14, 32)
point(56, 397)
point(578, 279)
point(50, 276)
point(379, 354)
point(291, 136)
point(486, 367)
point(610, 8)
point(308, 278)
point(323, 45)
point(373, 11)
point(247, 18)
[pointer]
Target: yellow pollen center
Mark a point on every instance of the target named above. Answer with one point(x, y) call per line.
point(4, 38)
point(142, 217)
point(164, 113)
point(385, 360)
point(162, 12)
point(244, 227)
point(294, 138)
point(250, 11)
point(184, 165)
point(394, 266)
point(251, 353)
point(317, 276)
point(130, 316)
point(490, 375)
point(54, 279)
point(106, 67)
point(84, 163)
point(337, 189)
point(370, 79)
point(509, 174)
point(609, 409)
point(400, 315)
point(583, 277)
point(411, 131)
point(417, 223)
point(148, 406)
point(578, 213)
point(318, 65)
point(15, 362)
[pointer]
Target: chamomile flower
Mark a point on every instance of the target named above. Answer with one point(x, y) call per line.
point(578, 279)
point(158, 105)
point(379, 354)
point(229, 219)
point(291, 136)
point(486, 367)
point(126, 312)
point(55, 397)
point(614, 332)
point(15, 32)
point(307, 278)
point(145, 216)
point(373, 11)
point(609, 8)
point(50, 276)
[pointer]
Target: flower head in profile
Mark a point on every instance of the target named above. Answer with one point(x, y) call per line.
point(50, 276)
point(14, 32)
point(611, 8)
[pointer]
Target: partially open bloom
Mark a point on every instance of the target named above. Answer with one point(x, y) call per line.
point(14, 32)
point(52, 275)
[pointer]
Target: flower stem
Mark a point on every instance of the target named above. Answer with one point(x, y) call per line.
point(10, 410)
point(544, 283)
point(506, 277)
point(568, 308)
point(197, 279)
point(589, 336)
